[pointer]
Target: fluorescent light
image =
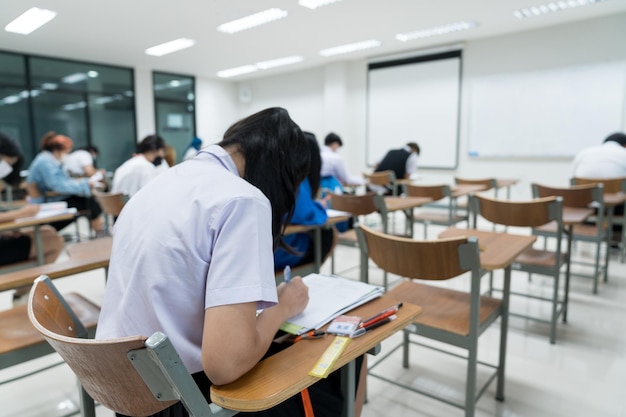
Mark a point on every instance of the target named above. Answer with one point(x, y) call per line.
point(555, 6)
point(352, 47)
point(279, 62)
point(252, 20)
point(30, 20)
point(437, 30)
point(314, 4)
point(74, 78)
point(246, 69)
point(171, 46)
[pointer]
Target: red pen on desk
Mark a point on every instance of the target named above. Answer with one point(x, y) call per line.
point(361, 331)
point(380, 316)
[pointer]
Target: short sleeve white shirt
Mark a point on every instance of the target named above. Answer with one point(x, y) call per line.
point(133, 174)
point(196, 237)
point(603, 161)
point(75, 162)
point(333, 165)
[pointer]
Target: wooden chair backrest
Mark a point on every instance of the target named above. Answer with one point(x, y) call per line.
point(435, 192)
point(357, 205)
point(611, 185)
point(381, 178)
point(102, 366)
point(532, 213)
point(112, 204)
point(488, 183)
point(420, 259)
point(581, 196)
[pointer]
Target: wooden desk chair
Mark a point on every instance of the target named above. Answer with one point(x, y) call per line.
point(449, 316)
point(385, 179)
point(487, 183)
point(112, 204)
point(135, 376)
point(358, 206)
point(582, 196)
point(530, 214)
point(447, 216)
point(611, 186)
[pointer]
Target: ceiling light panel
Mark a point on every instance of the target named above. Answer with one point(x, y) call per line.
point(352, 47)
point(314, 4)
point(437, 30)
point(252, 20)
point(232, 72)
point(30, 20)
point(169, 47)
point(288, 60)
point(555, 6)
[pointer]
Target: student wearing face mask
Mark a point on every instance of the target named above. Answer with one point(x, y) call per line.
point(47, 181)
point(18, 246)
point(141, 168)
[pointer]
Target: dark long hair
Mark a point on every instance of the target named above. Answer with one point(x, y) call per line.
point(316, 163)
point(277, 160)
point(9, 147)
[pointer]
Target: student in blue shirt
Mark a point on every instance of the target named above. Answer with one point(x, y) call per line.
point(308, 211)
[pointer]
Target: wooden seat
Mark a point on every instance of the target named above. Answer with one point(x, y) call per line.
point(454, 317)
point(581, 196)
point(530, 214)
point(112, 204)
point(382, 180)
point(135, 376)
point(447, 216)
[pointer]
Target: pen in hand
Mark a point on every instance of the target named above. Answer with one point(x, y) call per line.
point(287, 274)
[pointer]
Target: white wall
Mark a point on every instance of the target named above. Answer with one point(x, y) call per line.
point(333, 98)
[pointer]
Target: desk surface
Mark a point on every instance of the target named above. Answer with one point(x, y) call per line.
point(498, 250)
point(300, 228)
point(575, 215)
point(35, 222)
point(614, 199)
point(404, 203)
point(285, 374)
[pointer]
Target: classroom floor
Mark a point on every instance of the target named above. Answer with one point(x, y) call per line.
point(582, 375)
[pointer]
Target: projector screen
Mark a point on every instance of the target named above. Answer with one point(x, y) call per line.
point(415, 100)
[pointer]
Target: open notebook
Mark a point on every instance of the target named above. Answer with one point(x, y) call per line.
point(49, 210)
point(329, 297)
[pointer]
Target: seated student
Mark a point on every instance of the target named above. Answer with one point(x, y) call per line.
point(307, 211)
point(80, 163)
point(18, 246)
point(403, 162)
point(193, 148)
point(141, 168)
point(201, 278)
point(53, 184)
point(333, 169)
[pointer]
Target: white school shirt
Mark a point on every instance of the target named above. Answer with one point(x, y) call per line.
point(132, 175)
point(603, 161)
point(195, 237)
point(75, 162)
point(332, 165)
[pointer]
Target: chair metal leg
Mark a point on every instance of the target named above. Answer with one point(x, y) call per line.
point(405, 349)
point(555, 303)
point(87, 404)
point(504, 328)
point(470, 383)
point(596, 269)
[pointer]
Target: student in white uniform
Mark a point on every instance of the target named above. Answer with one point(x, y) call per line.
point(141, 168)
point(192, 256)
point(80, 163)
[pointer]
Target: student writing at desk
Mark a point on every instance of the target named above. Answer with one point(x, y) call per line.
point(18, 246)
point(192, 254)
point(307, 212)
point(403, 162)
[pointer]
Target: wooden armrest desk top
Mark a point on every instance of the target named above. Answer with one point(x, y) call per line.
point(34, 222)
point(301, 228)
point(285, 374)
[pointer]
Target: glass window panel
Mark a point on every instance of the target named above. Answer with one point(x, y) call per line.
point(174, 87)
point(12, 69)
point(79, 76)
point(14, 120)
point(64, 113)
point(113, 130)
point(175, 124)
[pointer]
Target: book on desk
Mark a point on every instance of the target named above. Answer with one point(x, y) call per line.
point(52, 209)
point(329, 297)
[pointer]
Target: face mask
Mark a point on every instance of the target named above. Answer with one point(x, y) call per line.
point(157, 161)
point(5, 168)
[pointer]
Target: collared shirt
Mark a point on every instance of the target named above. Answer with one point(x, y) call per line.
point(607, 160)
point(333, 166)
point(133, 174)
point(45, 171)
point(196, 237)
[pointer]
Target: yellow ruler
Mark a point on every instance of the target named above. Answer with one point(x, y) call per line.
point(329, 357)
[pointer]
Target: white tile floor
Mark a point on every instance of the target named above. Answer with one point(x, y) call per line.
point(583, 375)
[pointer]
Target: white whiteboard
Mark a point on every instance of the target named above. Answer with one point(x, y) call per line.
point(548, 113)
point(416, 102)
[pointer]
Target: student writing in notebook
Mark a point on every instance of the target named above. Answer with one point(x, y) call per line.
point(192, 254)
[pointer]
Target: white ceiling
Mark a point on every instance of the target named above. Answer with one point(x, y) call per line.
point(118, 31)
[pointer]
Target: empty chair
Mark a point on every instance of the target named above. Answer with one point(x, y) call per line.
point(135, 376)
point(446, 216)
point(382, 182)
point(449, 316)
point(581, 196)
point(530, 214)
point(111, 203)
